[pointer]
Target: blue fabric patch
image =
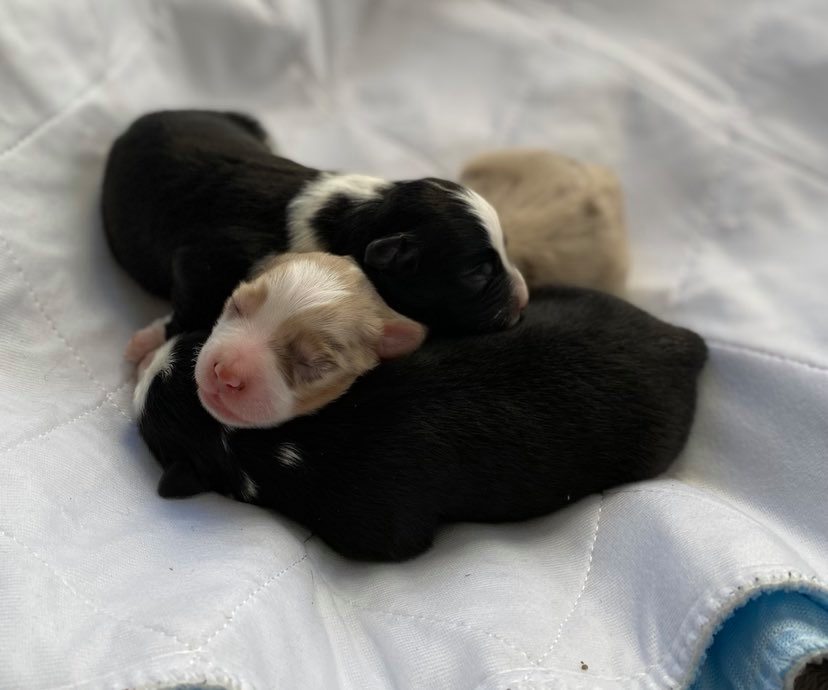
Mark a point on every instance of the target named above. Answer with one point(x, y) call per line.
point(760, 642)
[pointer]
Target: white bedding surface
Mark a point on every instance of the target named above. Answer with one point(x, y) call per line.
point(714, 115)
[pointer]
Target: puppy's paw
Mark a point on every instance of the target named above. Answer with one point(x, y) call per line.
point(145, 361)
point(146, 341)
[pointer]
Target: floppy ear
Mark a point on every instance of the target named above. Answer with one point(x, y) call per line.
point(180, 481)
point(396, 254)
point(400, 337)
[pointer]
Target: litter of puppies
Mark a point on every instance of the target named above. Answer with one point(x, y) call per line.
point(295, 372)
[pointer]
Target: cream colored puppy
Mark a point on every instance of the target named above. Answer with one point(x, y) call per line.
point(293, 338)
point(563, 219)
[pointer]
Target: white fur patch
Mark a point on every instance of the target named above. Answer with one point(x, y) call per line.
point(289, 455)
point(299, 285)
point(488, 216)
point(161, 363)
point(302, 284)
point(491, 221)
point(249, 489)
point(315, 195)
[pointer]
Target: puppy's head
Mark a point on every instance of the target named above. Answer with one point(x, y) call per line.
point(444, 260)
point(294, 338)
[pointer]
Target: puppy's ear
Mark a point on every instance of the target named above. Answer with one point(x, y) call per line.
point(180, 481)
point(400, 337)
point(397, 254)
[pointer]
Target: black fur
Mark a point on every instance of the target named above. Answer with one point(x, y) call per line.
point(585, 393)
point(191, 199)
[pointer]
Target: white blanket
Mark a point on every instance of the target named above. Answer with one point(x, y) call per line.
point(716, 116)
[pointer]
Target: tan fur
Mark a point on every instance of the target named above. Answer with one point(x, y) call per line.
point(563, 220)
point(249, 297)
point(319, 347)
point(340, 338)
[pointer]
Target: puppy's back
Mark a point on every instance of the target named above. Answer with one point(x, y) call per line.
point(586, 393)
point(192, 177)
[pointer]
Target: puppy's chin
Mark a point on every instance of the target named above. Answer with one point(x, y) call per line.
point(514, 318)
point(217, 409)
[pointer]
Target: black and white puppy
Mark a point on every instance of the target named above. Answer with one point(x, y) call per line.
point(192, 199)
point(587, 392)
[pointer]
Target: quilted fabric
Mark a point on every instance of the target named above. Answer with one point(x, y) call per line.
point(715, 116)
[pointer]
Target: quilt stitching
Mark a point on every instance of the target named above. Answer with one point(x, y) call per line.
point(472, 628)
point(705, 497)
point(724, 345)
point(78, 99)
point(420, 617)
point(67, 422)
point(263, 585)
point(65, 581)
point(49, 320)
point(575, 603)
point(431, 620)
point(719, 601)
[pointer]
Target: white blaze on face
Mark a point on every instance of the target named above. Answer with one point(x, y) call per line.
point(487, 215)
point(161, 362)
point(315, 195)
point(238, 374)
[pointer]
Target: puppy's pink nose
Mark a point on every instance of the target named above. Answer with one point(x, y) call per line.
point(523, 300)
point(228, 377)
point(521, 291)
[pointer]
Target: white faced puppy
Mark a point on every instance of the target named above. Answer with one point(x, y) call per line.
point(295, 337)
point(563, 219)
point(193, 199)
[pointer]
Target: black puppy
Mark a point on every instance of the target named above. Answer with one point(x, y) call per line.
point(192, 199)
point(586, 393)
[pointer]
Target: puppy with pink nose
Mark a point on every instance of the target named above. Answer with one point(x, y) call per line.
point(295, 337)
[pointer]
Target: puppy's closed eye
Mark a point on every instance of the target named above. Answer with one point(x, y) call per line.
point(477, 279)
point(310, 371)
point(245, 300)
point(294, 338)
point(308, 360)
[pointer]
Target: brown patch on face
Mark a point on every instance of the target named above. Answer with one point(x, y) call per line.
point(248, 297)
point(321, 350)
point(314, 400)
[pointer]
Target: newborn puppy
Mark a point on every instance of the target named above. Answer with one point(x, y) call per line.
point(292, 339)
point(192, 199)
point(585, 393)
point(563, 220)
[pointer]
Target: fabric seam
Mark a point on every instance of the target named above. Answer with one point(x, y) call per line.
point(575, 603)
point(51, 322)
